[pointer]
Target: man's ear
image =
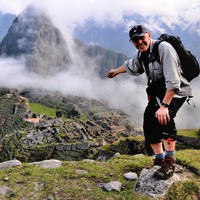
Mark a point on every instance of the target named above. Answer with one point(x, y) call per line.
point(149, 34)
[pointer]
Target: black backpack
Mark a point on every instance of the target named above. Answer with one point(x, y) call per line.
point(189, 63)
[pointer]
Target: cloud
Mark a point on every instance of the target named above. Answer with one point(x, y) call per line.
point(82, 80)
point(118, 94)
point(189, 115)
point(15, 7)
point(104, 12)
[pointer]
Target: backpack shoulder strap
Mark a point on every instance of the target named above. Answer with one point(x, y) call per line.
point(155, 52)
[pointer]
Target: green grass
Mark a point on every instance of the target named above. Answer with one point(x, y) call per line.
point(187, 190)
point(64, 183)
point(190, 159)
point(44, 110)
point(189, 133)
point(83, 116)
point(137, 138)
point(194, 133)
point(51, 112)
point(184, 132)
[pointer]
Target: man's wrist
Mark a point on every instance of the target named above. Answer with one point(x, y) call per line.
point(166, 105)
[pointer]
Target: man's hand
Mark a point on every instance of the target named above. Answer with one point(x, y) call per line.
point(112, 73)
point(163, 115)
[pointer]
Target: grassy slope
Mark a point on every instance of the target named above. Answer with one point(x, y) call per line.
point(189, 132)
point(40, 109)
point(64, 183)
point(51, 112)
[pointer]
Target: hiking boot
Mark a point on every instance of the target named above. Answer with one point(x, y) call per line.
point(158, 162)
point(167, 169)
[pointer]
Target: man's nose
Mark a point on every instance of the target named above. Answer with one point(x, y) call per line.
point(139, 41)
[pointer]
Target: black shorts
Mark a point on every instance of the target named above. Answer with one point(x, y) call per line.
point(154, 132)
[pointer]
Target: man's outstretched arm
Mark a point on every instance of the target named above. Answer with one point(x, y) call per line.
point(114, 72)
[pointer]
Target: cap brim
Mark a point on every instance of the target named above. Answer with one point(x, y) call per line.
point(137, 35)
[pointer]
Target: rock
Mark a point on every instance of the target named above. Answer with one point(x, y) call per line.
point(113, 185)
point(38, 186)
point(131, 176)
point(79, 171)
point(150, 186)
point(82, 146)
point(116, 155)
point(10, 163)
point(4, 190)
point(5, 179)
point(88, 160)
point(50, 197)
point(48, 163)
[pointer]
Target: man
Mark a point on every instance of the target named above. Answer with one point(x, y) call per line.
point(167, 90)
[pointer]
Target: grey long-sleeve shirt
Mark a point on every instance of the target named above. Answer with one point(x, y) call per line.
point(170, 68)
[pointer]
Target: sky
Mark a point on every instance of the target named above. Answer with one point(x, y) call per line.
point(182, 12)
point(67, 14)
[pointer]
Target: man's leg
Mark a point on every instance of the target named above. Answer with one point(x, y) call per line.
point(157, 148)
point(169, 145)
point(167, 134)
point(159, 153)
point(168, 167)
point(153, 132)
point(168, 137)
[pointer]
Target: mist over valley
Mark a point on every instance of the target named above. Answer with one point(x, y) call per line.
point(38, 52)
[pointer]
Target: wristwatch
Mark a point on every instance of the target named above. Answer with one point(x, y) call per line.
point(166, 105)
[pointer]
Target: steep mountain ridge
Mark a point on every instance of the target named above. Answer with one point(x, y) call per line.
point(116, 37)
point(33, 36)
point(104, 58)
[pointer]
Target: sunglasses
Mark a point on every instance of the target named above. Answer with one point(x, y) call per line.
point(136, 39)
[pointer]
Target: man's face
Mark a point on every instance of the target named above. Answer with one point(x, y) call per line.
point(142, 43)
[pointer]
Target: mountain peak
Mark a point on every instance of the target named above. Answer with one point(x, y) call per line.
point(33, 36)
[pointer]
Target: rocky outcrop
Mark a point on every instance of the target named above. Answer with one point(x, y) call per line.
point(10, 163)
point(148, 185)
point(189, 141)
point(127, 146)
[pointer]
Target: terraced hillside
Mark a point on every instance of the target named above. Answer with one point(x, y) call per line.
point(41, 125)
point(12, 111)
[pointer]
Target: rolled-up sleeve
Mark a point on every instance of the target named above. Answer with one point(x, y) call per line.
point(133, 66)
